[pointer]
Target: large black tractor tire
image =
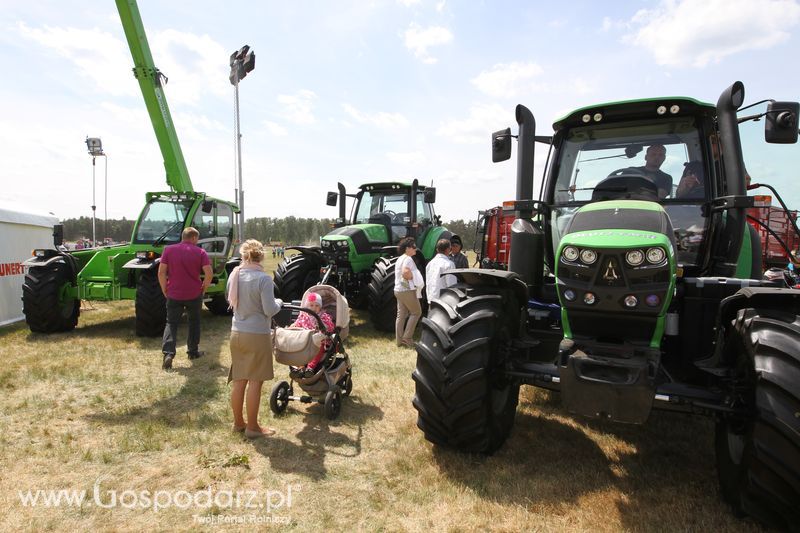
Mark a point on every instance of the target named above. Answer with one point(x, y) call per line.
point(382, 303)
point(218, 305)
point(151, 305)
point(45, 311)
point(758, 458)
point(462, 399)
point(295, 275)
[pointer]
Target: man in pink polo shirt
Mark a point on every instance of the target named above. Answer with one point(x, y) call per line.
point(179, 276)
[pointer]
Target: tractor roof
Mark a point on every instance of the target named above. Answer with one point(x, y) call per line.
point(383, 185)
point(645, 108)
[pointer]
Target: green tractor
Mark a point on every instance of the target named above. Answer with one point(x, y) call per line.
point(56, 281)
point(358, 257)
point(626, 298)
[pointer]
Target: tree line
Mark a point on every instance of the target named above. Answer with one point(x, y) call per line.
point(288, 230)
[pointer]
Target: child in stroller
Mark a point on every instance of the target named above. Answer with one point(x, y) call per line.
point(299, 346)
point(313, 301)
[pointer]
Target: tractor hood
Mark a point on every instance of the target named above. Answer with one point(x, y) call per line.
point(615, 271)
point(355, 247)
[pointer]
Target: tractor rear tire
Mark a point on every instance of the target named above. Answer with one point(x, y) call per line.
point(151, 305)
point(382, 303)
point(758, 458)
point(462, 399)
point(295, 275)
point(218, 305)
point(42, 304)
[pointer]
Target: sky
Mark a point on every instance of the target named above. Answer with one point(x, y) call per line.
point(355, 91)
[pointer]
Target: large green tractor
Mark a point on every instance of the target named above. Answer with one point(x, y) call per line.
point(358, 256)
point(56, 281)
point(628, 297)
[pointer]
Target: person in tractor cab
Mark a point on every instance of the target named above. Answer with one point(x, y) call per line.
point(692, 182)
point(653, 159)
point(456, 256)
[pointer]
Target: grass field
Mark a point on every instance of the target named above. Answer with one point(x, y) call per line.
point(94, 405)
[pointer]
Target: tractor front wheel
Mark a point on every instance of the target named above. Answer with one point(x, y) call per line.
point(758, 457)
point(463, 400)
point(295, 275)
point(151, 305)
point(46, 307)
point(382, 303)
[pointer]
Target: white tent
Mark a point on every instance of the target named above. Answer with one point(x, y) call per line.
point(20, 233)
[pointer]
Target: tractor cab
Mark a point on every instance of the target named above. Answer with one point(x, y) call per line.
point(671, 159)
point(404, 210)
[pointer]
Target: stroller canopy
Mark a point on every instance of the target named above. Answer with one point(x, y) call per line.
point(334, 304)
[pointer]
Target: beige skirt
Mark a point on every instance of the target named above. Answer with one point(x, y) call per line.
point(251, 356)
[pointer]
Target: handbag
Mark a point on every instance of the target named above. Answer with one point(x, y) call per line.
point(296, 346)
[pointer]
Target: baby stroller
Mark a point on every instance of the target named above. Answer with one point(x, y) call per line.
point(297, 347)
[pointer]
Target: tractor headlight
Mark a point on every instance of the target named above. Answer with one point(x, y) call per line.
point(588, 256)
point(342, 244)
point(570, 253)
point(634, 257)
point(326, 244)
point(655, 255)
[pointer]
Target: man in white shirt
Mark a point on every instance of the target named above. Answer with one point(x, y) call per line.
point(433, 272)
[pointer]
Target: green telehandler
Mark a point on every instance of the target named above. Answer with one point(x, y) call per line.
point(56, 281)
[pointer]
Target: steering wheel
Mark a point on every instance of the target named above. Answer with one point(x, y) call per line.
point(391, 214)
point(626, 183)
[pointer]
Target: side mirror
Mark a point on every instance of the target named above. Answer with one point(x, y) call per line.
point(780, 126)
point(501, 145)
point(207, 206)
point(58, 235)
point(632, 150)
point(430, 195)
point(331, 198)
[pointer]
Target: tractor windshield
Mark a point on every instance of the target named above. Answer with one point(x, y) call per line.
point(162, 220)
point(660, 161)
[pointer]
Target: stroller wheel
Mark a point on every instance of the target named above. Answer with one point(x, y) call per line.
point(333, 404)
point(279, 398)
point(348, 385)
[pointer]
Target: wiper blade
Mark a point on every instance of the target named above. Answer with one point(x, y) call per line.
point(164, 235)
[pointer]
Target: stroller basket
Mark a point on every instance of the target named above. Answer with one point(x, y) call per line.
point(296, 346)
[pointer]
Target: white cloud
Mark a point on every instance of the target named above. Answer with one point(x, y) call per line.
point(193, 64)
point(440, 6)
point(418, 40)
point(299, 107)
point(275, 129)
point(477, 127)
point(406, 158)
point(698, 32)
point(381, 119)
point(506, 80)
point(99, 55)
point(409, 3)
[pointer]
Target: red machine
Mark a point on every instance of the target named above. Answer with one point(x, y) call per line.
point(775, 226)
point(494, 236)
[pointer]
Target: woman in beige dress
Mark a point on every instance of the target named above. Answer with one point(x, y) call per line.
point(251, 294)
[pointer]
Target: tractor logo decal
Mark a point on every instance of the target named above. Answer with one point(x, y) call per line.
point(611, 272)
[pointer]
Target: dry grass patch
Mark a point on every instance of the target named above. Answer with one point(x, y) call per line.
point(94, 404)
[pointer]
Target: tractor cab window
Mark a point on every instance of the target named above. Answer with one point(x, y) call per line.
point(214, 221)
point(657, 161)
point(162, 220)
point(424, 210)
point(389, 208)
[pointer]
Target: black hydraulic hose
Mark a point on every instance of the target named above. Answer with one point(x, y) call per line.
point(771, 232)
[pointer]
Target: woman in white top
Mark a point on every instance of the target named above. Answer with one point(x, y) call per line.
point(408, 284)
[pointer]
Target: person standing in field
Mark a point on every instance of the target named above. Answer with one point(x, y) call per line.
point(251, 294)
point(179, 276)
point(458, 258)
point(436, 267)
point(408, 283)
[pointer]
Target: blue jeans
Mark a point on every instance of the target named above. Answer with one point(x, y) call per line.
point(175, 309)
